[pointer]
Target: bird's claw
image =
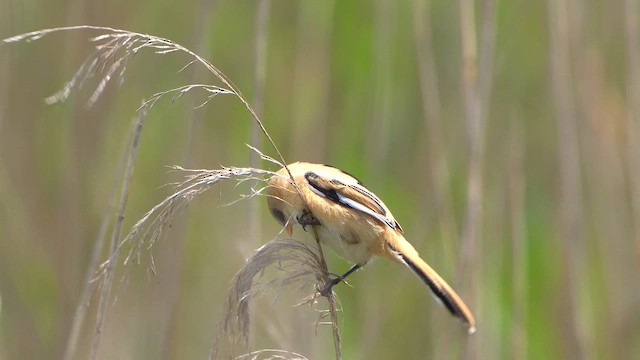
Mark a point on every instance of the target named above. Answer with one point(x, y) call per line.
point(327, 289)
point(307, 218)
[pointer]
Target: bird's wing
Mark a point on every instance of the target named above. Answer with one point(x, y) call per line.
point(351, 195)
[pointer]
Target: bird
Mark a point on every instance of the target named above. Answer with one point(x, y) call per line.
point(352, 221)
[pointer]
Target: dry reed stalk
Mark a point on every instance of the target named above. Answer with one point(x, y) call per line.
point(632, 8)
point(476, 83)
point(384, 30)
point(5, 74)
point(260, 75)
point(471, 231)
point(431, 107)
point(516, 184)
point(571, 207)
point(438, 167)
point(311, 81)
point(260, 66)
point(4, 89)
point(98, 246)
point(193, 120)
point(105, 289)
point(606, 199)
point(273, 354)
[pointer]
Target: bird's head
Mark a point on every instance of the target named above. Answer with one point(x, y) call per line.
point(283, 199)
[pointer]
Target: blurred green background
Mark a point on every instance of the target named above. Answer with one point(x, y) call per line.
point(535, 104)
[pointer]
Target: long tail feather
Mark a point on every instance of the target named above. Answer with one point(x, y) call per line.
point(439, 288)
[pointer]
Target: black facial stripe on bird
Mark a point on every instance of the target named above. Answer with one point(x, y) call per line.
point(441, 295)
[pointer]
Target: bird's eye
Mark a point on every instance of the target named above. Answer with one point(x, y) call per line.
point(279, 215)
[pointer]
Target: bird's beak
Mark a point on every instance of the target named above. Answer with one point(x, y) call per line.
point(289, 227)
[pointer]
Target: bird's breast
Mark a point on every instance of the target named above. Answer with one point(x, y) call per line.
point(354, 245)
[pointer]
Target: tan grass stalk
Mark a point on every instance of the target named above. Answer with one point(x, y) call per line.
point(571, 207)
point(517, 232)
point(193, 120)
point(260, 70)
point(271, 354)
point(476, 84)
point(431, 107)
point(98, 246)
point(632, 9)
point(311, 83)
point(438, 169)
point(105, 289)
point(260, 75)
point(384, 18)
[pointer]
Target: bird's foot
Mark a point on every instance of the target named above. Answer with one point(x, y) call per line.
point(307, 218)
point(327, 289)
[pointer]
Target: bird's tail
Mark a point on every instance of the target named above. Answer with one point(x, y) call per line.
point(445, 295)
